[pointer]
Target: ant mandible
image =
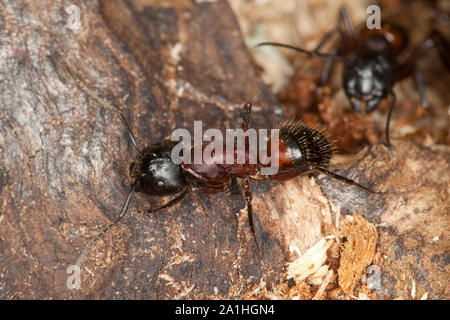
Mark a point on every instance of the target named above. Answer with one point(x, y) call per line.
point(302, 150)
point(370, 61)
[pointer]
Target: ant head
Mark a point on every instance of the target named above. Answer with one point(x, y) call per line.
point(155, 173)
point(368, 77)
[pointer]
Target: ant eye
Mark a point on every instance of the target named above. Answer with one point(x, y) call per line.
point(160, 185)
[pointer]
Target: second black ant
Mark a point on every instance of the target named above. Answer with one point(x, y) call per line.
point(371, 67)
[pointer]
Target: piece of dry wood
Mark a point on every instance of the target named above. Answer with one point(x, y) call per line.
point(357, 251)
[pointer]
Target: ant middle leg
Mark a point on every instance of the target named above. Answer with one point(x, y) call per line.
point(388, 120)
point(244, 119)
point(99, 235)
point(251, 221)
point(349, 34)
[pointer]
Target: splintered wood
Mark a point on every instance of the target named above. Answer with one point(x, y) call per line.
point(357, 251)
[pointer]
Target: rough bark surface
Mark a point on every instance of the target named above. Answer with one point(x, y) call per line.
point(64, 163)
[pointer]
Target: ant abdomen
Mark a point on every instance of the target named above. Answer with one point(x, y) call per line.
point(305, 145)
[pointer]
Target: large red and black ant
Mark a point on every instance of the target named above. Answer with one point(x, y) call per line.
point(371, 67)
point(301, 150)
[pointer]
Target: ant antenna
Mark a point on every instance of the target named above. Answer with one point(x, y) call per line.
point(344, 179)
point(83, 86)
point(309, 53)
point(102, 233)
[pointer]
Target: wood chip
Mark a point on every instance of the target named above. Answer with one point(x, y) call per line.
point(358, 251)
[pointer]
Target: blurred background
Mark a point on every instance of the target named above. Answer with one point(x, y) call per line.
point(293, 76)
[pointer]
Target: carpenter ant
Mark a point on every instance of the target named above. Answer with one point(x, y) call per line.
point(370, 61)
point(302, 150)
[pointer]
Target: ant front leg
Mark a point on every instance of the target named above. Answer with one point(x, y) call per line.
point(408, 65)
point(172, 202)
point(326, 70)
point(388, 120)
point(350, 40)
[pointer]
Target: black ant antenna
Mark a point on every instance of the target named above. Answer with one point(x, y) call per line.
point(102, 233)
point(127, 202)
point(309, 53)
point(83, 86)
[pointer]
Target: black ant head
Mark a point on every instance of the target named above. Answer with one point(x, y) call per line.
point(155, 173)
point(368, 77)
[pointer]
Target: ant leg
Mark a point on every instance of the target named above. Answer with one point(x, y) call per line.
point(342, 179)
point(326, 70)
point(307, 52)
point(234, 187)
point(103, 232)
point(248, 201)
point(326, 38)
point(442, 46)
point(329, 63)
point(407, 66)
point(244, 116)
point(245, 120)
point(388, 120)
point(349, 28)
point(435, 39)
point(421, 87)
point(171, 203)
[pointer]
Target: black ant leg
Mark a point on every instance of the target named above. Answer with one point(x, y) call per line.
point(103, 232)
point(408, 63)
point(442, 46)
point(307, 52)
point(326, 70)
point(248, 202)
point(349, 36)
point(388, 120)
point(342, 179)
point(122, 214)
point(235, 188)
point(244, 116)
point(350, 31)
point(421, 87)
point(172, 202)
point(326, 38)
point(329, 62)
